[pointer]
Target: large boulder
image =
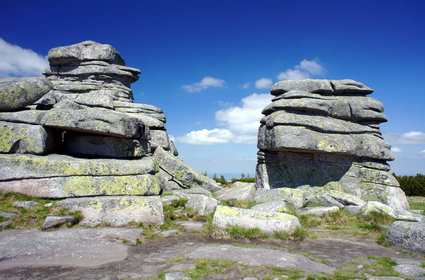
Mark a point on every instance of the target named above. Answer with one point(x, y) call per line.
point(267, 222)
point(116, 210)
point(407, 235)
point(24, 138)
point(239, 191)
point(182, 173)
point(16, 93)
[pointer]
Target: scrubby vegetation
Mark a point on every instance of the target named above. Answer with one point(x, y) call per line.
point(412, 185)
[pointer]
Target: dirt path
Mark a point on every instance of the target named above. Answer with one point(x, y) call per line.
point(146, 260)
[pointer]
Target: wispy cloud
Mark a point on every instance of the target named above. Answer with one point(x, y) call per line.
point(246, 85)
point(407, 138)
point(422, 154)
point(239, 123)
point(396, 150)
point(263, 83)
point(205, 83)
point(17, 61)
point(304, 70)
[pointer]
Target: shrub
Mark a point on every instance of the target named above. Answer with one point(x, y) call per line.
point(412, 185)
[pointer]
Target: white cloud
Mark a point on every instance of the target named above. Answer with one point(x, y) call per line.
point(16, 61)
point(207, 137)
point(412, 137)
point(396, 150)
point(422, 154)
point(246, 85)
point(304, 70)
point(407, 138)
point(263, 83)
point(240, 123)
point(205, 83)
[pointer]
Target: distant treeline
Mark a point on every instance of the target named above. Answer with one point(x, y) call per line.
point(244, 178)
point(412, 185)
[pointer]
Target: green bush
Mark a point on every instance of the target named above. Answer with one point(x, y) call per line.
point(412, 185)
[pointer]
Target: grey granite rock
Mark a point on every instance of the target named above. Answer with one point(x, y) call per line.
point(272, 206)
point(259, 256)
point(94, 121)
point(104, 146)
point(202, 204)
point(26, 116)
point(410, 269)
point(25, 204)
point(24, 138)
point(310, 85)
point(317, 211)
point(56, 221)
point(348, 86)
point(267, 222)
point(244, 191)
point(296, 197)
point(16, 93)
point(407, 235)
point(176, 276)
point(182, 172)
point(9, 215)
point(87, 50)
point(117, 210)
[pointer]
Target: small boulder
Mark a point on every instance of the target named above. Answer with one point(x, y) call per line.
point(204, 205)
point(375, 206)
point(407, 235)
point(16, 93)
point(176, 276)
point(116, 210)
point(56, 221)
point(9, 215)
point(317, 211)
point(267, 222)
point(25, 204)
point(409, 269)
point(180, 171)
point(296, 197)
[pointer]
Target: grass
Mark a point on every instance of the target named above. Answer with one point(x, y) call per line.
point(417, 202)
point(34, 217)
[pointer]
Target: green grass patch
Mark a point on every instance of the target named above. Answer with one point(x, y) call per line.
point(34, 217)
point(237, 232)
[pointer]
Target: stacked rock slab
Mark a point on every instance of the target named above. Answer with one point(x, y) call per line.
point(326, 133)
point(77, 134)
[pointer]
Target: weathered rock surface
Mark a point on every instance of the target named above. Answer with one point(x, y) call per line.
point(117, 210)
point(183, 173)
point(259, 256)
point(295, 197)
point(56, 221)
point(407, 235)
point(24, 138)
point(204, 205)
point(16, 93)
point(244, 191)
point(320, 131)
point(272, 206)
point(59, 176)
point(268, 222)
point(77, 247)
point(108, 147)
point(317, 211)
point(25, 204)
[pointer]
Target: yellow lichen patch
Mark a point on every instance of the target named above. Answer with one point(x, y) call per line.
point(95, 204)
point(227, 211)
point(117, 185)
point(10, 135)
point(126, 204)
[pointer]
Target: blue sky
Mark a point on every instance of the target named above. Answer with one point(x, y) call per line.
point(209, 64)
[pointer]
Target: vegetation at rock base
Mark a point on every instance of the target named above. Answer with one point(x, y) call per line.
point(34, 217)
point(412, 185)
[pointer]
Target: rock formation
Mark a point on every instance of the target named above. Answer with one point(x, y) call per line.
point(325, 133)
point(78, 134)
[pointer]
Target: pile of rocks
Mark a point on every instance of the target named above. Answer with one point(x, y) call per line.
point(325, 133)
point(78, 134)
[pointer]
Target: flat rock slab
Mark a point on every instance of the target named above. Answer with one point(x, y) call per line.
point(66, 248)
point(117, 210)
point(259, 256)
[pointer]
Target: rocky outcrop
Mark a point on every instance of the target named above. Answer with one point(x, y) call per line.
point(317, 132)
point(407, 235)
point(78, 134)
